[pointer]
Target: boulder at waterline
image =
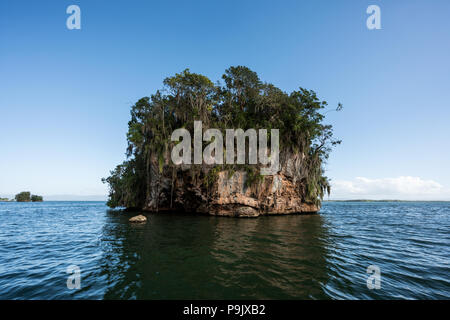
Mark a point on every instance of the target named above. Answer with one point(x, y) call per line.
point(138, 219)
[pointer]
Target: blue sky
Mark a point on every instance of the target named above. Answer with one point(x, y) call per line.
point(65, 94)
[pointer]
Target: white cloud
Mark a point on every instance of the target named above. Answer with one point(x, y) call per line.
point(401, 188)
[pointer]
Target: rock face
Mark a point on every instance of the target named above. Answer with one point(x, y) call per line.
point(138, 219)
point(230, 194)
point(275, 195)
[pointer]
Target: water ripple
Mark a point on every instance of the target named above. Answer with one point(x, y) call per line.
point(182, 256)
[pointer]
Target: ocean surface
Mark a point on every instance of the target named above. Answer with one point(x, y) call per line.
point(180, 256)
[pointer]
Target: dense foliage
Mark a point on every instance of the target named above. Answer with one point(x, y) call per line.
point(241, 100)
point(24, 196)
point(36, 198)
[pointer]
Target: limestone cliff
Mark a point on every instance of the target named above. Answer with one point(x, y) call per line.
point(230, 193)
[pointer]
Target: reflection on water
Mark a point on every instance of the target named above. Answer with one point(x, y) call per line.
point(180, 256)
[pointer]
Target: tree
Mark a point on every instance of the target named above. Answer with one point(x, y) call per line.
point(36, 198)
point(24, 196)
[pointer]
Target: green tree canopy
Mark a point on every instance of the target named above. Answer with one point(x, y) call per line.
point(24, 196)
point(36, 198)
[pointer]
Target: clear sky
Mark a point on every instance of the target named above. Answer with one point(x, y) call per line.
point(65, 94)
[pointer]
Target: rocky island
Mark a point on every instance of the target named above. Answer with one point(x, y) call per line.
point(149, 180)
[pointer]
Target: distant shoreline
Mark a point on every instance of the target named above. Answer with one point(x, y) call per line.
point(368, 200)
point(52, 201)
point(357, 201)
point(63, 197)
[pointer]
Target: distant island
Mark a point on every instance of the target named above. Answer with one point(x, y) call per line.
point(26, 196)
